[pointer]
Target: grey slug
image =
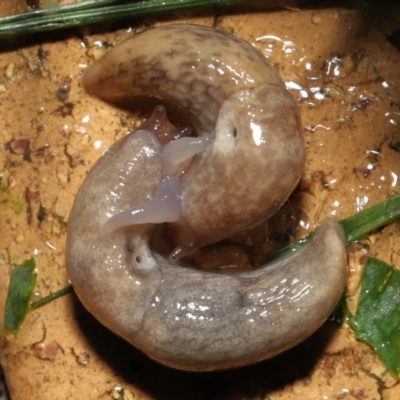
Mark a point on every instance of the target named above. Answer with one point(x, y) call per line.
point(243, 164)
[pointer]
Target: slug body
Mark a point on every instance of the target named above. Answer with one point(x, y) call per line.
point(249, 162)
point(228, 92)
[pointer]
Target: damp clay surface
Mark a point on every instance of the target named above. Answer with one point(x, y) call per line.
point(345, 75)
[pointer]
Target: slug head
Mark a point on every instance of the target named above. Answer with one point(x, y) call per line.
point(250, 170)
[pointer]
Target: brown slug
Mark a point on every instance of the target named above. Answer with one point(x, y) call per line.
point(245, 161)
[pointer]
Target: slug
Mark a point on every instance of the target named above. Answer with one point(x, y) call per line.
point(243, 164)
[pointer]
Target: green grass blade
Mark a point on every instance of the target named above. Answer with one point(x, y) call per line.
point(355, 227)
point(89, 12)
point(358, 225)
point(50, 297)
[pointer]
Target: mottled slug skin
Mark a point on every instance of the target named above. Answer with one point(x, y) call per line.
point(193, 68)
point(227, 90)
point(184, 318)
point(181, 317)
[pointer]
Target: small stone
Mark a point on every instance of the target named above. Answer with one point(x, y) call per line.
point(10, 70)
point(315, 19)
point(20, 238)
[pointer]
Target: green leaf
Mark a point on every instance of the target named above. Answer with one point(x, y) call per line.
point(20, 289)
point(355, 227)
point(377, 319)
point(22, 283)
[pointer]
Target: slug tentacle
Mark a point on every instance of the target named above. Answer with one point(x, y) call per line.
point(162, 128)
point(245, 161)
point(163, 206)
point(177, 153)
